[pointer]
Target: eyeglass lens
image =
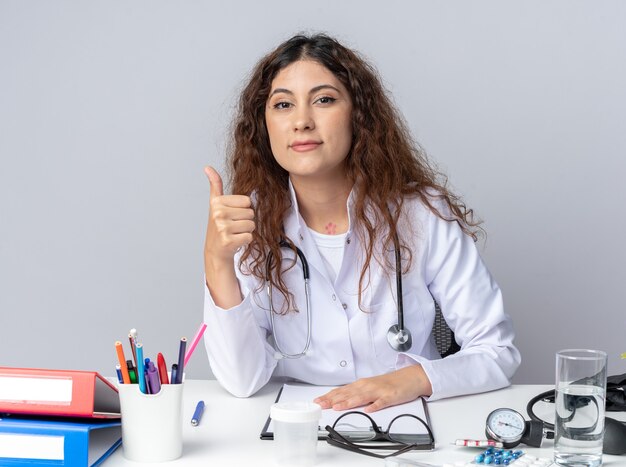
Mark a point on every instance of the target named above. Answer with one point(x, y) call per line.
point(358, 427)
point(355, 426)
point(407, 429)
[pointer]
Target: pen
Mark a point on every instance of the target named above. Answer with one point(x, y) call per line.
point(152, 377)
point(118, 371)
point(162, 369)
point(174, 374)
point(123, 368)
point(141, 369)
point(197, 414)
point(181, 360)
point(194, 342)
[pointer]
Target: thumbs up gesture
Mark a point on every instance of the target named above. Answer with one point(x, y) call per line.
point(231, 222)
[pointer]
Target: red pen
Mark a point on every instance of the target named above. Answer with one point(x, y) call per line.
point(162, 368)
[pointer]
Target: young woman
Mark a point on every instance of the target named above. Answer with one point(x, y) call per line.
point(328, 182)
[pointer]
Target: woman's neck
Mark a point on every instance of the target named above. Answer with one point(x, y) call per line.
point(323, 204)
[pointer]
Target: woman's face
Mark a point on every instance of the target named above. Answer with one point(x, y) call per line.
point(308, 118)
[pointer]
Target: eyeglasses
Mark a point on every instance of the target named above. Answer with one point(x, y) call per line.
point(358, 432)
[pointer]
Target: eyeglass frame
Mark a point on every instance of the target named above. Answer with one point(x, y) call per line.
point(379, 435)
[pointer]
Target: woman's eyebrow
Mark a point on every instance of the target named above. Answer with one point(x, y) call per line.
point(312, 91)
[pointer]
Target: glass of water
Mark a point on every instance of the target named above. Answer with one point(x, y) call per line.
point(580, 398)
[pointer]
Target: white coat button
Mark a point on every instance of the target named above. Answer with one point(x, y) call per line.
point(348, 240)
point(334, 297)
point(345, 307)
point(343, 363)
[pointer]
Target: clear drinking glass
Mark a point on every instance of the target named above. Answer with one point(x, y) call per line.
point(579, 407)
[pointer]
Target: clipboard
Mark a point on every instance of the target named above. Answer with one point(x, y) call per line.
point(293, 392)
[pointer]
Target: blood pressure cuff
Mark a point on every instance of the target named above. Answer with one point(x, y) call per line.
point(615, 393)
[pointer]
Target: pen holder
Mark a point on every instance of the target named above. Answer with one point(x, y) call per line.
point(152, 424)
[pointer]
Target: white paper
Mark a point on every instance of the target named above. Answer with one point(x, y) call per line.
point(101, 440)
point(36, 389)
point(32, 446)
point(294, 393)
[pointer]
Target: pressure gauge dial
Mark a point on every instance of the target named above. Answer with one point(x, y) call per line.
point(507, 426)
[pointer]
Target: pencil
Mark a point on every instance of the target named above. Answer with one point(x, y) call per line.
point(132, 347)
point(120, 357)
point(181, 360)
point(141, 370)
point(194, 342)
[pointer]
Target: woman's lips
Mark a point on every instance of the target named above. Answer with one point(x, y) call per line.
point(305, 146)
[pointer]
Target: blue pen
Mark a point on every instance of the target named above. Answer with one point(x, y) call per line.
point(141, 369)
point(174, 374)
point(118, 370)
point(197, 415)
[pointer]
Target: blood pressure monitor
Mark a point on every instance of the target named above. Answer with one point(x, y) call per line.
point(510, 428)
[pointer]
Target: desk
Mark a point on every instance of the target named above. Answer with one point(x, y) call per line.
point(229, 432)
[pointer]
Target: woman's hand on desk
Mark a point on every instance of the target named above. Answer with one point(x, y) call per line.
point(378, 392)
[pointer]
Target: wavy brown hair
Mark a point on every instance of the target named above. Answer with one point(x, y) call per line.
point(384, 164)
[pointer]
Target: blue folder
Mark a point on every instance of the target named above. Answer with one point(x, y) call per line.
point(57, 442)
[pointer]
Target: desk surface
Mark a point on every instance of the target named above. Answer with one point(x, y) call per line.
point(229, 432)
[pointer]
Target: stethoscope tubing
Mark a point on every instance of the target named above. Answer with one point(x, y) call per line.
point(307, 292)
point(399, 338)
point(309, 323)
point(399, 282)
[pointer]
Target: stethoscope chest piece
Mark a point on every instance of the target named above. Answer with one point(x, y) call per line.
point(399, 339)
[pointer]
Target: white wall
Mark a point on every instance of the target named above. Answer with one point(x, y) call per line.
point(109, 111)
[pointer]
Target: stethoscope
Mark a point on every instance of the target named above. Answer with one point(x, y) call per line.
point(398, 336)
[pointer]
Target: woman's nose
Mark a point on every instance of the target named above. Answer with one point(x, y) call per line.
point(303, 119)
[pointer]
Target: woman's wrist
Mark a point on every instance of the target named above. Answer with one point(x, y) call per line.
point(417, 374)
point(222, 283)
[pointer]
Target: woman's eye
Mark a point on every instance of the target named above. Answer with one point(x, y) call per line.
point(282, 105)
point(326, 100)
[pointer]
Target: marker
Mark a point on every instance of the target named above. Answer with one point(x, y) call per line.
point(123, 368)
point(194, 342)
point(162, 369)
point(118, 371)
point(152, 377)
point(131, 371)
point(141, 370)
point(197, 415)
point(181, 360)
